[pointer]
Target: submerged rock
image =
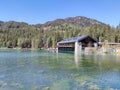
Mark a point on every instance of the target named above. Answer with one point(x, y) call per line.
point(46, 88)
point(83, 83)
point(17, 85)
point(3, 84)
point(93, 87)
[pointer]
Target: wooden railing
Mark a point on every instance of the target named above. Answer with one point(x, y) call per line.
point(66, 45)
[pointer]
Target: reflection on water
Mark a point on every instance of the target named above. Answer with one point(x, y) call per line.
point(104, 70)
point(39, 70)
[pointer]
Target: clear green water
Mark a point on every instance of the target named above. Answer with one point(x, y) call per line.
point(39, 70)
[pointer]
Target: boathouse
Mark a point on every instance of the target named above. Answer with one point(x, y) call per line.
point(77, 44)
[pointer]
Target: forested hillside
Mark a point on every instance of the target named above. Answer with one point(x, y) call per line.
point(21, 34)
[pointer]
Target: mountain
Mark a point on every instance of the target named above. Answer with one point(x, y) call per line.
point(58, 24)
point(12, 25)
point(78, 22)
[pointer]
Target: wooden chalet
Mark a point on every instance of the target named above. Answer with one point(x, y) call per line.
point(77, 43)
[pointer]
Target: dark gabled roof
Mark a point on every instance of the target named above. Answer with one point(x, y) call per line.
point(75, 39)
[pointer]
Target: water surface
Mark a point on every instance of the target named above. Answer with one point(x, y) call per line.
point(40, 70)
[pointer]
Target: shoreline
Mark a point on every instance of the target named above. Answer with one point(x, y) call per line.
point(18, 48)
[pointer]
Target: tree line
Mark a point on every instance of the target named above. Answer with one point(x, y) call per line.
point(36, 36)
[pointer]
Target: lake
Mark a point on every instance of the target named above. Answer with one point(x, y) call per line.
point(41, 70)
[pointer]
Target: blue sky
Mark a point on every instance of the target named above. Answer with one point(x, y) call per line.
point(41, 11)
